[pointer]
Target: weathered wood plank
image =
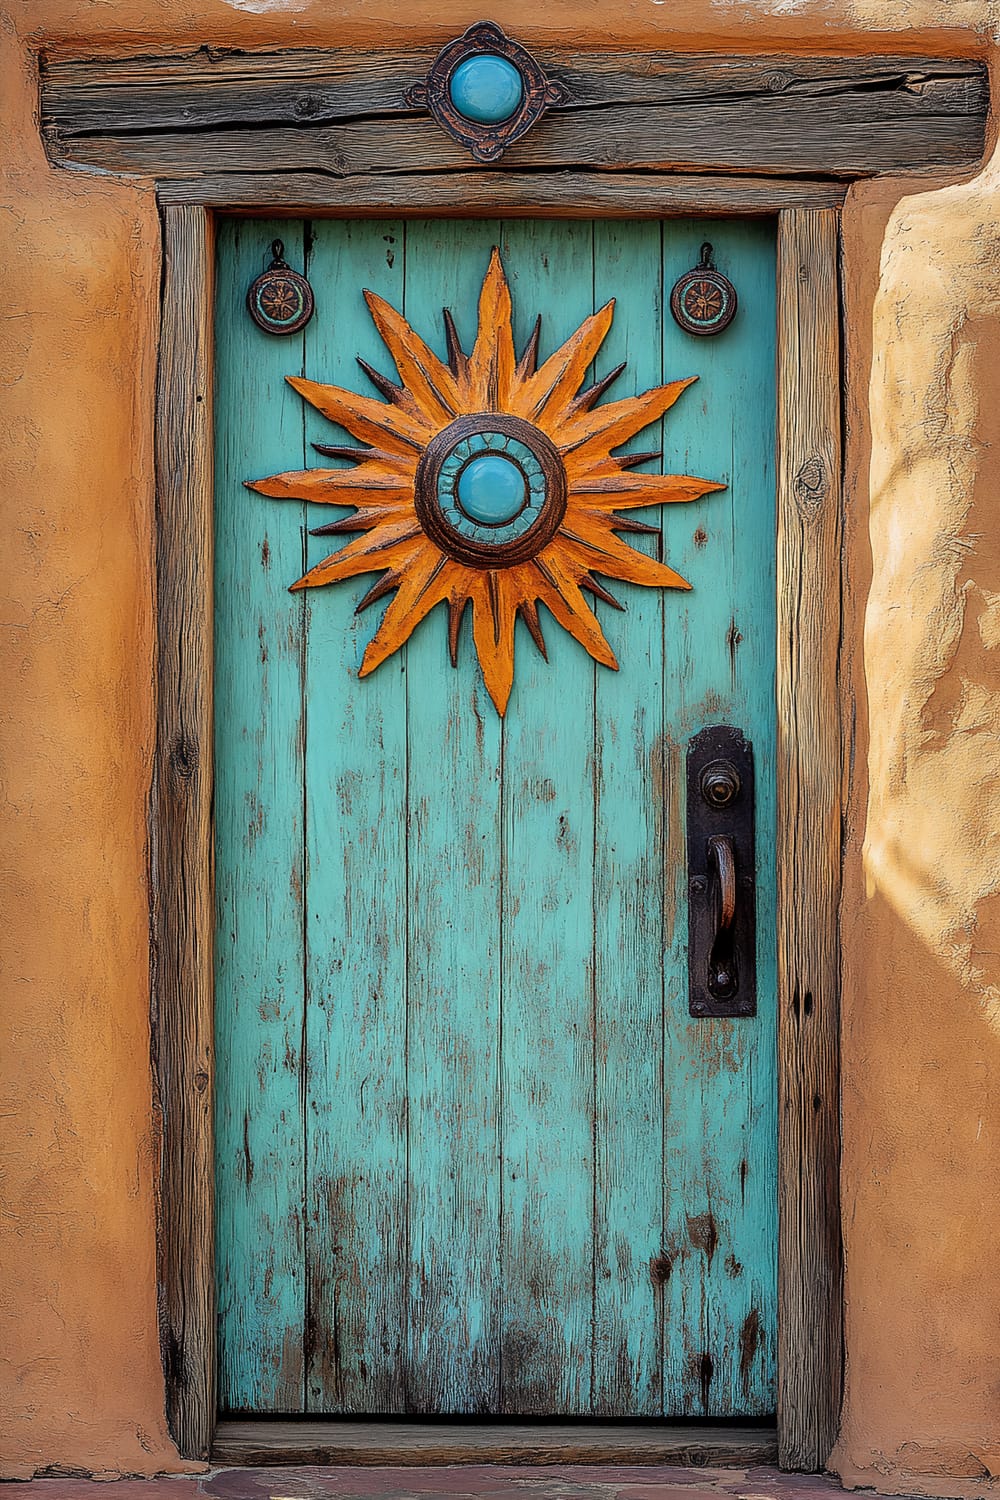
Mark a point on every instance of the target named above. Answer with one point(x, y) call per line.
point(809, 837)
point(850, 134)
point(375, 79)
point(356, 904)
point(628, 891)
point(209, 90)
point(570, 195)
point(547, 961)
point(183, 906)
point(453, 1030)
point(260, 876)
point(404, 1445)
point(266, 103)
point(583, 70)
point(720, 1170)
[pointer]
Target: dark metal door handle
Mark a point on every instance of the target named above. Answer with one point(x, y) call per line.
point(720, 847)
point(722, 964)
point(723, 980)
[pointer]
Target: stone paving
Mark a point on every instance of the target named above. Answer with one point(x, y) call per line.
point(461, 1482)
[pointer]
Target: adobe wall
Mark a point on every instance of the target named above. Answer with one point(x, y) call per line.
point(81, 1367)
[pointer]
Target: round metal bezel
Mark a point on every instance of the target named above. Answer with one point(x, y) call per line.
point(475, 543)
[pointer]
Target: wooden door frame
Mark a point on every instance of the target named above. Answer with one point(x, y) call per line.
point(809, 778)
point(642, 133)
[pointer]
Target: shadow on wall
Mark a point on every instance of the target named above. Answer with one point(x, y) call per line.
point(922, 975)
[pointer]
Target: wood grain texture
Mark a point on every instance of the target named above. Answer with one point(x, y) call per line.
point(720, 1175)
point(295, 86)
point(406, 1444)
point(356, 904)
point(629, 865)
point(809, 837)
point(178, 116)
point(783, 140)
point(453, 1027)
point(260, 851)
point(183, 906)
point(547, 1087)
point(569, 195)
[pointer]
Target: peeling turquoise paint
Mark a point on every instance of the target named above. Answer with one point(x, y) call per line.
point(473, 1156)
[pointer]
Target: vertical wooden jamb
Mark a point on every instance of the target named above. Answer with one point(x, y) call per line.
point(810, 1352)
point(183, 899)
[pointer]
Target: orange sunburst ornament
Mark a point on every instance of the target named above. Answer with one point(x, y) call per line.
point(489, 478)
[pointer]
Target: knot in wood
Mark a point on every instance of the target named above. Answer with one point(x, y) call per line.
point(811, 482)
point(777, 82)
point(660, 1267)
point(183, 758)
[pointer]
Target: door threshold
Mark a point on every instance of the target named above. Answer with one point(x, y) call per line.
point(274, 1442)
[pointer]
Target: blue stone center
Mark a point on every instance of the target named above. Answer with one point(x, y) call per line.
point(491, 489)
point(486, 88)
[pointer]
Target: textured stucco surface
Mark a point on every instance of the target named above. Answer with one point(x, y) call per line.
point(921, 1037)
point(82, 1385)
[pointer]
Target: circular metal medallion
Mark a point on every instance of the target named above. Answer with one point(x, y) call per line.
point(280, 301)
point(486, 90)
point(490, 490)
point(704, 301)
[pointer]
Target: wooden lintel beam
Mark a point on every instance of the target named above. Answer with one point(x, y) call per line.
point(485, 194)
point(342, 114)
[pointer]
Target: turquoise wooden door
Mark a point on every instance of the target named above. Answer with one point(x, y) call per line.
point(474, 1156)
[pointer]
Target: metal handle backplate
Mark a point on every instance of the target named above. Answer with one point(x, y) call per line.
point(722, 978)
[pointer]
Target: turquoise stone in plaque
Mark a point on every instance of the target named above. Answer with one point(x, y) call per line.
point(491, 490)
point(486, 88)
